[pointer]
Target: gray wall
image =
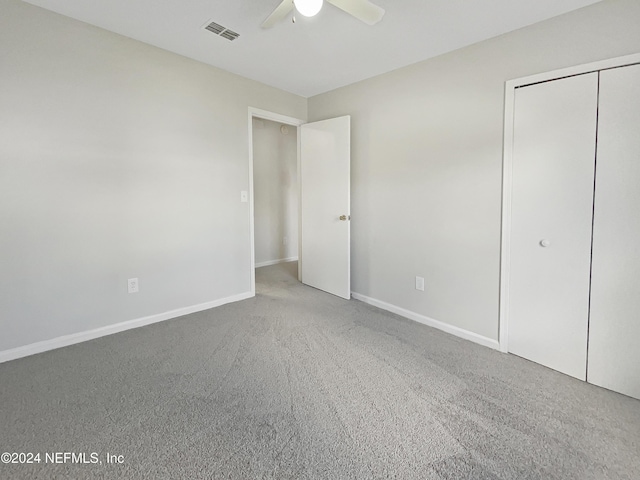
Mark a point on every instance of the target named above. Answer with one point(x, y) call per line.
point(427, 158)
point(117, 160)
point(275, 191)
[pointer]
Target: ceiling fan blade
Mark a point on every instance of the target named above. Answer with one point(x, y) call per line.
point(363, 10)
point(278, 14)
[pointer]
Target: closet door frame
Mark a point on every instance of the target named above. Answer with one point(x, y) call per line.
point(507, 169)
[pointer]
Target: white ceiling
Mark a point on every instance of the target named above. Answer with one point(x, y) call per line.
point(314, 55)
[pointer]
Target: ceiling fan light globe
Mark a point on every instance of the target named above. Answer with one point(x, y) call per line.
point(308, 8)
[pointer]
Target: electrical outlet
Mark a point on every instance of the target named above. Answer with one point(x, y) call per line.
point(285, 241)
point(132, 285)
point(420, 284)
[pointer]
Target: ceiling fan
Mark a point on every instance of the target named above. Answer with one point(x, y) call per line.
point(363, 10)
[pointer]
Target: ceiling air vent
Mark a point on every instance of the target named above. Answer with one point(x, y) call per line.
point(215, 28)
point(224, 32)
point(229, 35)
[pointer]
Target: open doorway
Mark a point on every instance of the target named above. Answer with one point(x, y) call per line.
point(275, 193)
point(323, 179)
point(274, 141)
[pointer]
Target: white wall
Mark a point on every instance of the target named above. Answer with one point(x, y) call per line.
point(427, 158)
point(117, 160)
point(275, 191)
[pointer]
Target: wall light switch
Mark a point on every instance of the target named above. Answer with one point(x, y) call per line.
point(132, 285)
point(244, 196)
point(420, 284)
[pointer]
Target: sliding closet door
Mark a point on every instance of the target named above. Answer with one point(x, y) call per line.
point(551, 217)
point(614, 333)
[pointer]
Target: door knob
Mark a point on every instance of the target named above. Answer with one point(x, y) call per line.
point(344, 217)
point(544, 242)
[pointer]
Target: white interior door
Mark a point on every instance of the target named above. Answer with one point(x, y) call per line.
point(614, 331)
point(325, 166)
point(551, 222)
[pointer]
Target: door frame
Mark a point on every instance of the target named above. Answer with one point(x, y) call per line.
point(507, 171)
point(284, 119)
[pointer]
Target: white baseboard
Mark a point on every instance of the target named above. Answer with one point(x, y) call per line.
point(67, 340)
point(275, 262)
point(445, 327)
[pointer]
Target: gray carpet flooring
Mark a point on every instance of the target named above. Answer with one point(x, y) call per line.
point(296, 383)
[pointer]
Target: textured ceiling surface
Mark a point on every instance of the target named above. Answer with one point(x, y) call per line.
point(311, 56)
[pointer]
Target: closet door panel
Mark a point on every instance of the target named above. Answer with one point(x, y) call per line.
point(614, 330)
point(551, 220)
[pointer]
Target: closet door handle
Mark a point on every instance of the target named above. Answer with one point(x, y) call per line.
point(545, 243)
